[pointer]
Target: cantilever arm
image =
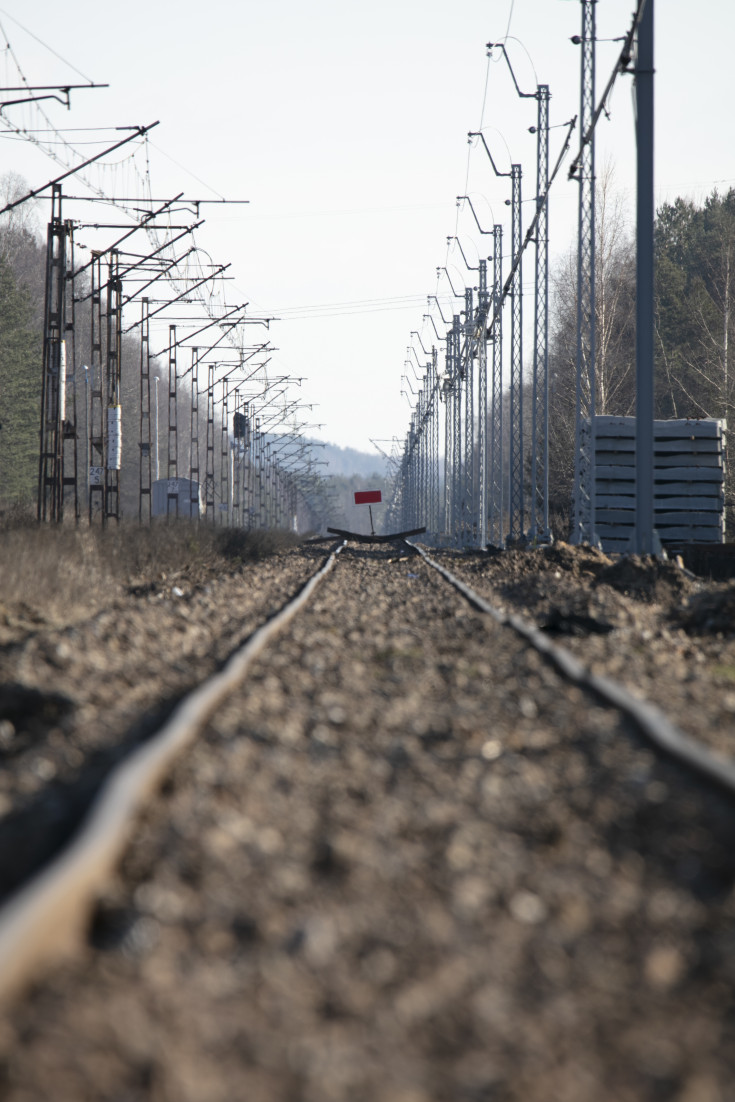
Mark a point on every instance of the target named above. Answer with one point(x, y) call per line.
point(457, 294)
point(481, 136)
point(470, 267)
point(418, 361)
point(438, 304)
point(490, 46)
point(415, 333)
point(474, 215)
point(431, 319)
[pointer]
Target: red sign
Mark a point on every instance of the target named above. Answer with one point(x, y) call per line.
point(368, 497)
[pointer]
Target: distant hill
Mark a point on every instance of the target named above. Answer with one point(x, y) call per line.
point(349, 461)
point(348, 470)
point(356, 518)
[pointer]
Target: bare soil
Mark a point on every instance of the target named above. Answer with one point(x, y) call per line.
point(406, 862)
point(649, 624)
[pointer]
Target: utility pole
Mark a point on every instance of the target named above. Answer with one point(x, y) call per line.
point(539, 412)
point(645, 539)
point(144, 443)
point(50, 504)
point(468, 522)
point(194, 473)
point(156, 465)
point(455, 341)
point(583, 525)
point(516, 511)
point(209, 473)
point(96, 472)
point(433, 518)
point(172, 490)
point(225, 457)
point(236, 463)
point(497, 481)
point(447, 389)
point(482, 464)
point(540, 531)
point(113, 437)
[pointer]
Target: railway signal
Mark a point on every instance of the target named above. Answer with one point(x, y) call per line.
point(369, 498)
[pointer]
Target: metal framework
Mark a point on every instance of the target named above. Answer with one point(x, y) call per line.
point(144, 442)
point(209, 474)
point(96, 432)
point(487, 474)
point(585, 399)
point(540, 530)
point(224, 483)
point(482, 406)
point(172, 471)
point(113, 379)
point(454, 339)
point(497, 480)
point(57, 468)
point(468, 520)
point(194, 471)
point(237, 464)
point(447, 393)
point(516, 497)
point(228, 488)
point(646, 540)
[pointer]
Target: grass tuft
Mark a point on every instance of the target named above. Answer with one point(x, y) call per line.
point(54, 569)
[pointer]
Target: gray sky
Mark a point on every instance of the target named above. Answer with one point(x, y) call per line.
point(345, 125)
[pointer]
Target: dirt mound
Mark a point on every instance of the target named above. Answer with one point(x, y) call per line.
point(709, 613)
point(518, 563)
point(646, 578)
point(576, 560)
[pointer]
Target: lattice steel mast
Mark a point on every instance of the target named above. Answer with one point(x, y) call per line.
point(144, 443)
point(50, 502)
point(516, 510)
point(540, 530)
point(583, 522)
point(113, 425)
point(496, 521)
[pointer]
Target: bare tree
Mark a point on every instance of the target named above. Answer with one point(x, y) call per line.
point(614, 332)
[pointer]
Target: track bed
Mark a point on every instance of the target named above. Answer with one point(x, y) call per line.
point(405, 861)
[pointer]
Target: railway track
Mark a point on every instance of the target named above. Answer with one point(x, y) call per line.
point(401, 858)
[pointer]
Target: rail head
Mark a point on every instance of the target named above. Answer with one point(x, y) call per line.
point(647, 718)
point(46, 917)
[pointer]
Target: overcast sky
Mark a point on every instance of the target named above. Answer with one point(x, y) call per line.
point(345, 126)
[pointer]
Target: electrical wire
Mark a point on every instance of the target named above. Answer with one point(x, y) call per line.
point(510, 18)
point(522, 44)
point(44, 44)
point(507, 29)
point(349, 309)
point(188, 171)
point(19, 138)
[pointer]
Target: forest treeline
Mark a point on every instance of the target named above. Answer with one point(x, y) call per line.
point(695, 251)
point(694, 320)
point(22, 279)
point(22, 303)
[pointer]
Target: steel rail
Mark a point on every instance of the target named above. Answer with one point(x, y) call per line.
point(46, 917)
point(652, 723)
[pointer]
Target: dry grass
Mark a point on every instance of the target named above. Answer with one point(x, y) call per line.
point(54, 570)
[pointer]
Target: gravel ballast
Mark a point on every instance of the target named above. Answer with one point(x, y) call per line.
point(407, 862)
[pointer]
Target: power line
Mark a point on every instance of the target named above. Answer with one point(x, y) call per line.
point(41, 43)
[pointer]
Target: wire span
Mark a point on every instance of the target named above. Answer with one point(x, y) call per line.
point(621, 66)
